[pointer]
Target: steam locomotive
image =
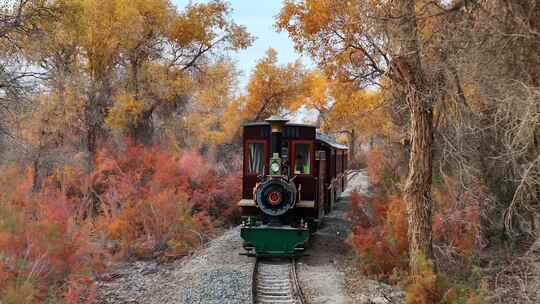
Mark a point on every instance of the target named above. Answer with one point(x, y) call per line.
point(292, 176)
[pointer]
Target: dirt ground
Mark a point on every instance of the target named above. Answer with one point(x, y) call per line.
point(214, 274)
point(321, 272)
point(328, 274)
point(217, 273)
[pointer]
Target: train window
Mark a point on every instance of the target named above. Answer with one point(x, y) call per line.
point(292, 132)
point(265, 132)
point(255, 158)
point(302, 159)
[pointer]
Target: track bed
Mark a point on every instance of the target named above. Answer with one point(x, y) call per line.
point(275, 281)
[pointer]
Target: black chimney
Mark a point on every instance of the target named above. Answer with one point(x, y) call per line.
point(277, 124)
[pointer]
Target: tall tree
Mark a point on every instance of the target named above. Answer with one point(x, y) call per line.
point(53, 126)
point(128, 59)
point(420, 100)
point(182, 44)
point(19, 21)
point(344, 109)
point(365, 42)
point(274, 88)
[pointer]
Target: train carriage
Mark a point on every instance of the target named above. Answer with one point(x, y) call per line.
point(292, 176)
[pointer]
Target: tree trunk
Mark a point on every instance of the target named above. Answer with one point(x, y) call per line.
point(352, 148)
point(142, 131)
point(92, 129)
point(418, 185)
point(36, 174)
point(94, 116)
point(419, 99)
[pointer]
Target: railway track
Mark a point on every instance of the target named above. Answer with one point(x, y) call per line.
point(275, 281)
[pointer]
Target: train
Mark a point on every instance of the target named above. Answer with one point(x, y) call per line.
point(292, 177)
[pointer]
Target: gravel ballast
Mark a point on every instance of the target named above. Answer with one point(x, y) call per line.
point(217, 273)
point(320, 273)
point(214, 274)
point(328, 275)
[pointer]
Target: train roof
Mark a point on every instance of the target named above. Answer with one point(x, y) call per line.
point(324, 138)
point(264, 123)
point(330, 140)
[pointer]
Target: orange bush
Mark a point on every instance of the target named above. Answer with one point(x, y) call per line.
point(382, 169)
point(137, 202)
point(381, 240)
point(45, 253)
point(381, 245)
point(151, 198)
point(427, 287)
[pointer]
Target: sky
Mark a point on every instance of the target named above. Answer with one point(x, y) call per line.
point(259, 18)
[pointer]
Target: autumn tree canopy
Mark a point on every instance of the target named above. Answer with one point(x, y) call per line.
point(273, 88)
point(366, 42)
point(120, 135)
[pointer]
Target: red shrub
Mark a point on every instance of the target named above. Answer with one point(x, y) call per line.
point(382, 245)
point(380, 234)
point(456, 220)
point(382, 169)
point(359, 213)
point(153, 199)
point(137, 201)
point(42, 247)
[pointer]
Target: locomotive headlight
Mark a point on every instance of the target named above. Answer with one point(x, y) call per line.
point(274, 167)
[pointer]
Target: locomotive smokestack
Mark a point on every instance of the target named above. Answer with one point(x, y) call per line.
point(277, 124)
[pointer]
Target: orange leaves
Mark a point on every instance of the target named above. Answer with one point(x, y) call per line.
point(119, 226)
point(141, 20)
point(380, 236)
point(46, 247)
point(127, 59)
point(313, 15)
point(126, 111)
point(381, 241)
point(306, 17)
point(343, 37)
point(274, 87)
point(151, 196)
point(205, 24)
point(382, 169)
point(197, 22)
point(100, 40)
point(427, 287)
point(55, 119)
point(357, 109)
point(138, 201)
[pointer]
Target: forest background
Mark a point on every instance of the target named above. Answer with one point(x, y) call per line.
point(120, 136)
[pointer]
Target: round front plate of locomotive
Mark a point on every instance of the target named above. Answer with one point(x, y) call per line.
point(274, 198)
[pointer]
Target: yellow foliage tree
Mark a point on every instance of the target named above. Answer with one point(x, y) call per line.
point(274, 88)
point(212, 100)
point(168, 51)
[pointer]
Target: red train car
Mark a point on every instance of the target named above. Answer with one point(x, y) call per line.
point(300, 164)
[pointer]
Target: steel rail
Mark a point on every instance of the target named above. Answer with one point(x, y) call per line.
point(276, 282)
